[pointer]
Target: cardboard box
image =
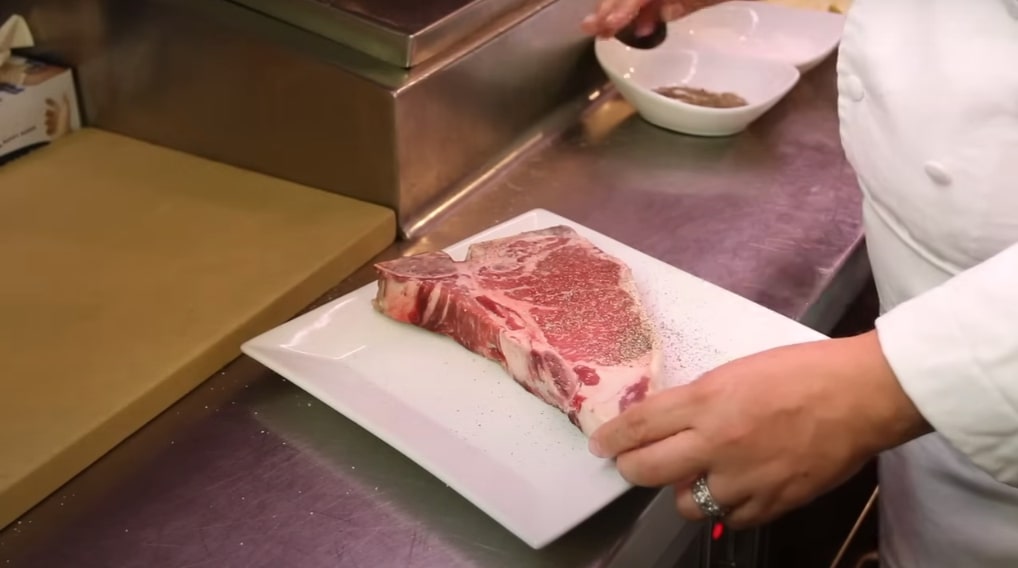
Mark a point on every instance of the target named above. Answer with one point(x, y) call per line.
point(38, 104)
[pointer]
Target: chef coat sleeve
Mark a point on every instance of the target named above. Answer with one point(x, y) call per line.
point(954, 350)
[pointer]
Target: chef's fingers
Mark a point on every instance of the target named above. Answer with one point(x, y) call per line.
point(649, 16)
point(723, 493)
point(685, 504)
point(749, 514)
point(673, 11)
point(594, 24)
point(676, 458)
point(613, 15)
point(653, 419)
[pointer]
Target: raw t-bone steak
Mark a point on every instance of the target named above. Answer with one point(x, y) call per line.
point(564, 318)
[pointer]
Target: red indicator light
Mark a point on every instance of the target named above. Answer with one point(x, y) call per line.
point(718, 531)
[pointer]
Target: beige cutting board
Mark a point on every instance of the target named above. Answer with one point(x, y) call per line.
point(130, 273)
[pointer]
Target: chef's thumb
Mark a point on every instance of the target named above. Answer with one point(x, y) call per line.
point(648, 17)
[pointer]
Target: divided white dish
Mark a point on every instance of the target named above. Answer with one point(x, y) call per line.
point(463, 419)
point(755, 29)
point(636, 73)
point(754, 49)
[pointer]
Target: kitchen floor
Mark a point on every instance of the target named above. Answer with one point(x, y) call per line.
point(811, 536)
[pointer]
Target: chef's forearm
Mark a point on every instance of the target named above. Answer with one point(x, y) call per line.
point(954, 351)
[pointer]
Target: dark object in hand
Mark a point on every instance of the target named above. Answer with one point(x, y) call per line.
point(650, 41)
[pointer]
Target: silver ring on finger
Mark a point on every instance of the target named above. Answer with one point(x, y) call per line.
point(703, 498)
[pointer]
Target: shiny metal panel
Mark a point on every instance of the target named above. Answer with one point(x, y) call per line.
point(249, 471)
point(474, 112)
point(217, 80)
point(399, 32)
point(408, 17)
point(212, 78)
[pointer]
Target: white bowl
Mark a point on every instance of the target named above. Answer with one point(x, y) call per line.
point(800, 37)
point(636, 73)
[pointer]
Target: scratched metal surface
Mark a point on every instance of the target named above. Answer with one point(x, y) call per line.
point(248, 471)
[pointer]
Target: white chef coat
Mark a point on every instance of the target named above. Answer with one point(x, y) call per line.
point(928, 99)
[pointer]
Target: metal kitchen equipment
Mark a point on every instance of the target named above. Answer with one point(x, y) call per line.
point(403, 33)
point(224, 81)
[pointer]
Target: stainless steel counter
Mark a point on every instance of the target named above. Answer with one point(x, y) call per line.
point(249, 471)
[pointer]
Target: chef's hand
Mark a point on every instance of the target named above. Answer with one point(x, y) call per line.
point(613, 15)
point(770, 431)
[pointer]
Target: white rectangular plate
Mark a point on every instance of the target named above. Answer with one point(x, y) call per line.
point(463, 419)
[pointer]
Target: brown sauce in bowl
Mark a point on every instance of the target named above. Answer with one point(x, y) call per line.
point(702, 97)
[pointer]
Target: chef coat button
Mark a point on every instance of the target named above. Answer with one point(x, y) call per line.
point(854, 89)
point(937, 173)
